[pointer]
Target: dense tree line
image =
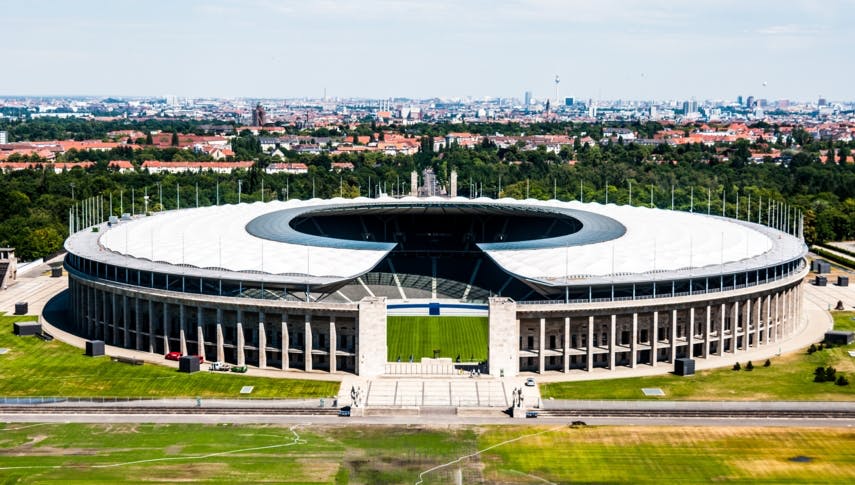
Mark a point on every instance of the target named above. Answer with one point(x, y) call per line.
point(34, 203)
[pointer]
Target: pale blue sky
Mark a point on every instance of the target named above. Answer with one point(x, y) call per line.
point(609, 49)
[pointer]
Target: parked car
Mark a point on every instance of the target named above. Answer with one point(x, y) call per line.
point(173, 356)
point(220, 367)
point(529, 382)
point(241, 369)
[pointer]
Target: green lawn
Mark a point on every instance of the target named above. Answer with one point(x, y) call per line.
point(33, 367)
point(790, 377)
point(419, 336)
point(111, 453)
point(844, 320)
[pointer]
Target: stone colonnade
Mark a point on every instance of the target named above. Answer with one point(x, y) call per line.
point(565, 340)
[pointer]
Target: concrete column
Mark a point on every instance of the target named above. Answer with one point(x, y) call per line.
point(221, 353)
point(654, 340)
point(307, 347)
point(333, 336)
point(777, 316)
point(182, 329)
point(707, 331)
point(541, 346)
point(722, 318)
point(103, 322)
point(262, 342)
point(612, 325)
point(90, 315)
point(589, 364)
point(125, 322)
point(690, 337)
point(673, 355)
point(284, 342)
point(566, 344)
point(200, 332)
point(241, 343)
point(138, 325)
point(165, 327)
point(152, 318)
point(633, 341)
point(770, 329)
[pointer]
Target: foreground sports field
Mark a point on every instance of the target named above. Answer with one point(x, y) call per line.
point(790, 377)
point(452, 336)
point(370, 455)
point(32, 367)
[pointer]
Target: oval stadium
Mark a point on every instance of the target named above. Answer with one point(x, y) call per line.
point(431, 285)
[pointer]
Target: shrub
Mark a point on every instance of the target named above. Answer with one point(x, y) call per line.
point(811, 349)
point(830, 374)
point(749, 366)
point(767, 363)
point(819, 374)
point(736, 366)
point(842, 380)
point(819, 347)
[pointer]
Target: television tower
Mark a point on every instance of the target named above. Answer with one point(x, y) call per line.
point(557, 82)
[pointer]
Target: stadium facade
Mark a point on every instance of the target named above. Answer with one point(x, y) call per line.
point(567, 287)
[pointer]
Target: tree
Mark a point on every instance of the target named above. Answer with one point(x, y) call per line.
point(175, 138)
point(148, 139)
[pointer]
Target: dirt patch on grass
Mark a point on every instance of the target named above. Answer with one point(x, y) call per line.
point(785, 469)
point(173, 449)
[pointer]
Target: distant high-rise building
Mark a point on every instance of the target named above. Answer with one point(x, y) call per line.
point(4, 138)
point(739, 100)
point(258, 115)
point(527, 99)
point(568, 101)
point(690, 107)
point(749, 102)
point(822, 102)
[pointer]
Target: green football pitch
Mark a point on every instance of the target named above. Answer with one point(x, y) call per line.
point(419, 336)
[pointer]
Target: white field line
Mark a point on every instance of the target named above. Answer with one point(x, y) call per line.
point(464, 457)
point(296, 441)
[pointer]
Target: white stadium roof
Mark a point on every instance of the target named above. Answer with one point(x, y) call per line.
point(654, 241)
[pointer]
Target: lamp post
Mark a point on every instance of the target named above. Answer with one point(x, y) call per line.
point(240, 186)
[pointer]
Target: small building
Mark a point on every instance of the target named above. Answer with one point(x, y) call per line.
point(839, 337)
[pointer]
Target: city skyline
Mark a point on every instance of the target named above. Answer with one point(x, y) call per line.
point(417, 49)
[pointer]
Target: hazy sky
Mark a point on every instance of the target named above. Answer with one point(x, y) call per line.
point(608, 49)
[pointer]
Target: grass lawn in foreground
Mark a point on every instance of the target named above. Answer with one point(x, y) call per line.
point(111, 453)
point(33, 367)
point(790, 377)
point(420, 335)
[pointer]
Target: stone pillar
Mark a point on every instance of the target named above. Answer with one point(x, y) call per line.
point(262, 342)
point(241, 342)
point(722, 318)
point(114, 323)
point(221, 353)
point(673, 351)
point(152, 319)
point(126, 338)
point(138, 326)
point(307, 344)
point(612, 325)
point(654, 339)
point(746, 324)
point(734, 328)
point(284, 343)
point(777, 317)
point(541, 346)
point(770, 333)
point(333, 337)
point(182, 329)
point(589, 364)
point(633, 341)
point(566, 363)
point(165, 327)
point(200, 332)
point(758, 310)
point(371, 342)
point(690, 337)
point(707, 331)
